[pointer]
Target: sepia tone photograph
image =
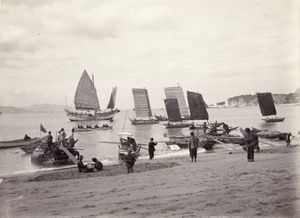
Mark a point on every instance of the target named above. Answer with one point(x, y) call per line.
point(149, 108)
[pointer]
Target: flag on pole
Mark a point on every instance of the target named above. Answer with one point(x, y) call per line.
point(43, 129)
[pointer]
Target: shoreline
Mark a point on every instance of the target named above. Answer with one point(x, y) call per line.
point(220, 183)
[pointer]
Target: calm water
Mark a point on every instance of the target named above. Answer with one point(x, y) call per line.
point(15, 126)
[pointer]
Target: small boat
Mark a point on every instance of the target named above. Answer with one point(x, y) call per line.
point(16, 143)
point(86, 100)
point(267, 107)
point(177, 92)
point(142, 108)
point(29, 148)
point(124, 145)
point(89, 129)
point(161, 118)
point(174, 115)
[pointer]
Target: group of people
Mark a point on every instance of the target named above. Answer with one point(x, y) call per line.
point(95, 166)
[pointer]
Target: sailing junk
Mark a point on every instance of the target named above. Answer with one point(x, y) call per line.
point(267, 107)
point(197, 106)
point(86, 99)
point(142, 108)
point(177, 92)
point(174, 115)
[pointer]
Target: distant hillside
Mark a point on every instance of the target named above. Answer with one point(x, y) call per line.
point(13, 110)
point(39, 108)
point(248, 100)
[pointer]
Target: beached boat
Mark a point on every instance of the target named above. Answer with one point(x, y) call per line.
point(177, 92)
point(142, 108)
point(175, 119)
point(124, 145)
point(60, 155)
point(270, 134)
point(86, 100)
point(29, 148)
point(267, 107)
point(16, 143)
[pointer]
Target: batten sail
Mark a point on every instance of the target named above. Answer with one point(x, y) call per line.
point(172, 108)
point(86, 97)
point(141, 103)
point(266, 104)
point(197, 106)
point(177, 92)
point(112, 100)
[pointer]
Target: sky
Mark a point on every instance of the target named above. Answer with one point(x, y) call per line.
point(218, 48)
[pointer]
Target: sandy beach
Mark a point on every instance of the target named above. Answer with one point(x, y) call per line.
point(220, 183)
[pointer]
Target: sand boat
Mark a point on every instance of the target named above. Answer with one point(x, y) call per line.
point(177, 92)
point(17, 143)
point(142, 108)
point(175, 119)
point(267, 107)
point(124, 145)
point(86, 100)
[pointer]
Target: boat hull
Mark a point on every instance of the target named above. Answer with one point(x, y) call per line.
point(161, 118)
point(143, 122)
point(171, 126)
point(272, 120)
point(16, 143)
point(75, 116)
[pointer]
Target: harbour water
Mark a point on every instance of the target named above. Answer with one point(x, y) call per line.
point(91, 144)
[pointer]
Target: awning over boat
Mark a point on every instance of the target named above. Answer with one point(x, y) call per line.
point(86, 94)
point(266, 104)
point(197, 106)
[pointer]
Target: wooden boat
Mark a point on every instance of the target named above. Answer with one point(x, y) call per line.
point(16, 143)
point(87, 129)
point(142, 108)
point(86, 100)
point(41, 155)
point(270, 134)
point(161, 118)
point(29, 148)
point(177, 92)
point(267, 107)
point(175, 119)
point(124, 145)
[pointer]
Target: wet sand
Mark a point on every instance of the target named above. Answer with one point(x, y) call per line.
point(220, 183)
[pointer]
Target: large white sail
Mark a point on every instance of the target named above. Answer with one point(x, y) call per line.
point(177, 92)
point(141, 102)
point(86, 97)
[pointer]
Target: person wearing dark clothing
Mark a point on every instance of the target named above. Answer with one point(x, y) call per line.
point(193, 145)
point(81, 167)
point(129, 160)
point(204, 127)
point(226, 128)
point(98, 164)
point(49, 140)
point(151, 148)
point(250, 143)
point(26, 137)
point(131, 142)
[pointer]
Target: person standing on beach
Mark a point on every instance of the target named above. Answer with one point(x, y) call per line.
point(151, 148)
point(251, 141)
point(204, 128)
point(193, 145)
point(129, 160)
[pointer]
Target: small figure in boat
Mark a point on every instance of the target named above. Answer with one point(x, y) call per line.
point(49, 141)
point(105, 125)
point(129, 160)
point(26, 137)
point(131, 143)
point(72, 141)
point(288, 138)
point(62, 137)
point(98, 165)
point(204, 127)
point(96, 126)
point(226, 128)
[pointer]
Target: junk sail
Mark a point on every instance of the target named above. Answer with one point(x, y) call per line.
point(172, 108)
point(86, 99)
point(142, 108)
point(177, 92)
point(197, 106)
point(267, 107)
